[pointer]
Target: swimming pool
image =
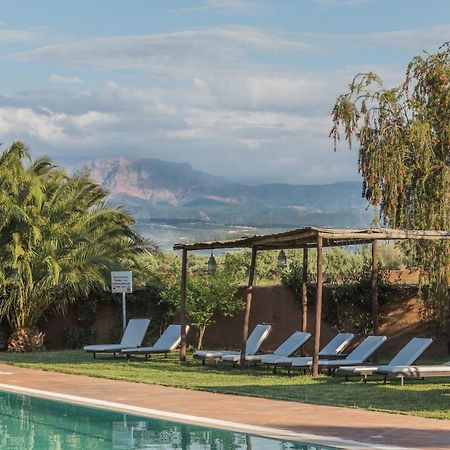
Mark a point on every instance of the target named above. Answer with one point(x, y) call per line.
point(34, 423)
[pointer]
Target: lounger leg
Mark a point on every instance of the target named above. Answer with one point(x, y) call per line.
point(346, 377)
point(114, 355)
point(128, 358)
point(203, 362)
point(274, 369)
point(402, 381)
point(384, 381)
point(289, 370)
point(365, 378)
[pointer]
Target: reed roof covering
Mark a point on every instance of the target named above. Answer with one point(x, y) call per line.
point(307, 237)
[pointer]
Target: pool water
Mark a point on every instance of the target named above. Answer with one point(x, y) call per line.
point(34, 423)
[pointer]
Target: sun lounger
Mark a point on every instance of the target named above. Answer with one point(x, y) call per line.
point(166, 343)
point(403, 372)
point(287, 348)
point(334, 348)
point(254, 341)
point(357, 357)
point(405, 357)
point(331, 350)
point(133, 337)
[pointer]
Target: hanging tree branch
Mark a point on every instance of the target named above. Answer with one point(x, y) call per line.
point(404, 159)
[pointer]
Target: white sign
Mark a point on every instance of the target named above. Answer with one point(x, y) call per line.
point(121, 282)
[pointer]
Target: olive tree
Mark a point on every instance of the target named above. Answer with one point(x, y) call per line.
point(207, 296)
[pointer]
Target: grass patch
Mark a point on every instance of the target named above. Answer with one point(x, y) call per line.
point(429, 398)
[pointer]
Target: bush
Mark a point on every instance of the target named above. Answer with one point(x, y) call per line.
point(349, 304)
point(76, 336)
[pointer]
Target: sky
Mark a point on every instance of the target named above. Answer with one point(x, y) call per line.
point(242, 89)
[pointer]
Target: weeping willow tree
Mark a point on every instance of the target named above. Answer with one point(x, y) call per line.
point(59, 238)
point(404, 158)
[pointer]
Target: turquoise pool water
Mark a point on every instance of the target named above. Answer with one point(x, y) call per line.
point(33, 423)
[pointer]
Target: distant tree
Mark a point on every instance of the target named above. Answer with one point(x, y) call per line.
point(207, 296)
point(58, 241)
point(404, 159)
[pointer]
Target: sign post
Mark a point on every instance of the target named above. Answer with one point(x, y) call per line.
point(122, 283)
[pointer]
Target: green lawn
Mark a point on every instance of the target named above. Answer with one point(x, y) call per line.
point(430, 398)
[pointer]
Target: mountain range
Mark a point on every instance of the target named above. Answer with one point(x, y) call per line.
point(165, 192)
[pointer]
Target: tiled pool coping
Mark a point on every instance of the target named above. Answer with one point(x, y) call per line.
point(343, 427)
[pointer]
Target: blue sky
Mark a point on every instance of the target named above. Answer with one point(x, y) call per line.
point(239, 88)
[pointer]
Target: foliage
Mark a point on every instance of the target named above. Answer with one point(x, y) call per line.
point(404, 155)
point(206, 296)
point(239, 262)
point(348, 304)
point(58, 237)
point(78, 335)
point(348, 292)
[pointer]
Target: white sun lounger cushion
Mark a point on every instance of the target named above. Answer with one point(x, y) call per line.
point(133, 337)
point(355, 358)
point(167, 342)
point(287, 348)
point(405, 357)
point(336, 345)
point(415, 371)
point(254, 341)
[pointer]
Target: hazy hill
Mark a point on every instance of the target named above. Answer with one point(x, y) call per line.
point(155, 190)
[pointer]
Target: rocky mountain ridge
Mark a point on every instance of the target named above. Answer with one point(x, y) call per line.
point(156, 190)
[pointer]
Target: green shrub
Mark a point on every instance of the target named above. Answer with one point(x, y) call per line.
point(75, 336)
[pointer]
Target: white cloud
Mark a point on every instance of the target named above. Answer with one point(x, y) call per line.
point(417, 39)
point(52, 128)
point(8, 36)
point(341, 2)
point(223, 5)
point(208, 101)
point(165, 51)
point(55, 78)
point(18, 123)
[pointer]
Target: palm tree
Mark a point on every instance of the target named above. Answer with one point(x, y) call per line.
point(59, 238)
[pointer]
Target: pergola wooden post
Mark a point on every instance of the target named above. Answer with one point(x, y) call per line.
point(315, 365)
point(305, 290)
point(183, 344)
point(248, 305)
point(374, 290)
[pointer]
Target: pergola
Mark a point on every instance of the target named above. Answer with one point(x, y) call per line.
point(304, 238)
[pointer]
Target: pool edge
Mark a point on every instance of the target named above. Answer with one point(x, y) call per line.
point(275, 433)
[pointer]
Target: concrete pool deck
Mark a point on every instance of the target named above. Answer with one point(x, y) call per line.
point(288, 420)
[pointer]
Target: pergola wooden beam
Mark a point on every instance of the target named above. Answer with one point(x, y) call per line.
point(305, 238)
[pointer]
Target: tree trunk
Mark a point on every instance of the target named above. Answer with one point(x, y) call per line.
point(26, 339)
point(201, 333)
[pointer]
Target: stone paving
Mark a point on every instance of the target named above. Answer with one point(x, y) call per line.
point(376, 428)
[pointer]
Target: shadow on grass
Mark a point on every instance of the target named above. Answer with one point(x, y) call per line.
point(375, 396)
